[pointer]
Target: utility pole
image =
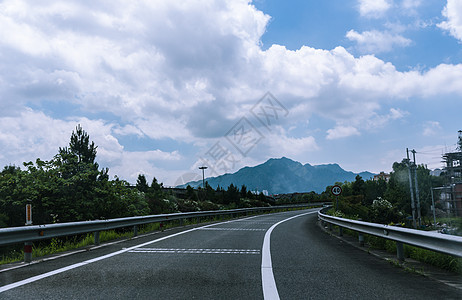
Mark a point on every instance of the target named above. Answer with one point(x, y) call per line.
point(203, 177)
point(419, 217)
point(411, 189)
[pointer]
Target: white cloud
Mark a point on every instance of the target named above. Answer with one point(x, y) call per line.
point(131, 164)
point(453, 12)
point(411, 4)
point(377, 41)
point(431, 128)
point(341, 132)
point(279, 144)
point(128, 130)
point(185, 72)
point(374, 8)
point(379, 121)
point(33, 135)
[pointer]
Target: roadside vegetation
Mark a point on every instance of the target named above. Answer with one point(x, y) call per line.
point(389, 203)
point(385, 202)
point(72, 187)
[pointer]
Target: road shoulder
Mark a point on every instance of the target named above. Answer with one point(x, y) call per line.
point(446, 277)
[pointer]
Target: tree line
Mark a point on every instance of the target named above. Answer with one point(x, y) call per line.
point(385, 202)
point(381, 201)
point(72, 187)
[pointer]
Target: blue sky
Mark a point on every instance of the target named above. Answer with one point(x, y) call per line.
point(163, 87)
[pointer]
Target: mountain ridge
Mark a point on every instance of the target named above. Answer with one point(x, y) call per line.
point(282, 176)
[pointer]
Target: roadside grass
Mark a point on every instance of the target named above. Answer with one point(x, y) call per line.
point(59, 245)
point(440, 260)
point(12, 256)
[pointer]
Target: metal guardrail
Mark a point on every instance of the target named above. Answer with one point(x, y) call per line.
point(434, 241)
point(29, 234)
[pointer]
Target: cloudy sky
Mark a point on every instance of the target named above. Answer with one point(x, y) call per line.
point(163, 87)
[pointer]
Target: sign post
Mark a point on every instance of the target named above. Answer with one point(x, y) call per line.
point(28, 245)
point(336, 191)
point(28, 214)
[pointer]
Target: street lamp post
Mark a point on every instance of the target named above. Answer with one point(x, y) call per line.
point(203, 178)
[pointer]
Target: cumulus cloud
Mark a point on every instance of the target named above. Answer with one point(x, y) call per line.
point(411, 4)
point(132, 163)
point(375, 41)
point(380, 121)
point(33, 135)
point(431, 128)
point(279, 144)
point(374, 8)
point(184, 72)
point(341, 132)
point(453, 13)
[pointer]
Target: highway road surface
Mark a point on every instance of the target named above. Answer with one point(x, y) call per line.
point(273, 256)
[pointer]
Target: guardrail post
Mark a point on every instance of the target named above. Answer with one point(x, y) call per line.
point(400, 251)
point(181, 222)
point(135, 230)
point(361, 239)
point(340, 231)
point(96, 237)
point(330, 226)
point(27, 252)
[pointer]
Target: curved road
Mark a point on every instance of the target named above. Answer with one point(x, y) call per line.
point(277, 255)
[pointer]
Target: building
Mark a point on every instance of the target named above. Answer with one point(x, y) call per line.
point(451, 195)
point(383, 176)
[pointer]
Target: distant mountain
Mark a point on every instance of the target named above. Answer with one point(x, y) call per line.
point(283, 175)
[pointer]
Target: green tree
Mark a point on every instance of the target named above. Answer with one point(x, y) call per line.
point(12, 196)
point(374, 189)
point(210, 194)
point(68, 188)
point(81, 147)
point(157, 200)
point(398, 188)
point(243, 191)
point(358, 186)
point(142, 184)
point(81, 181)
point(232, 195)
point(190, 193)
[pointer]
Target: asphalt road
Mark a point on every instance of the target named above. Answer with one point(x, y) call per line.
point(224, 261)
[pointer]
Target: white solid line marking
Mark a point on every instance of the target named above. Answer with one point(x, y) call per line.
point(61, 270)
point(270, 290)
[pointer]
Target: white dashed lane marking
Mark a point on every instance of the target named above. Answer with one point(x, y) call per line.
point(195, 251)
point(236, 229)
